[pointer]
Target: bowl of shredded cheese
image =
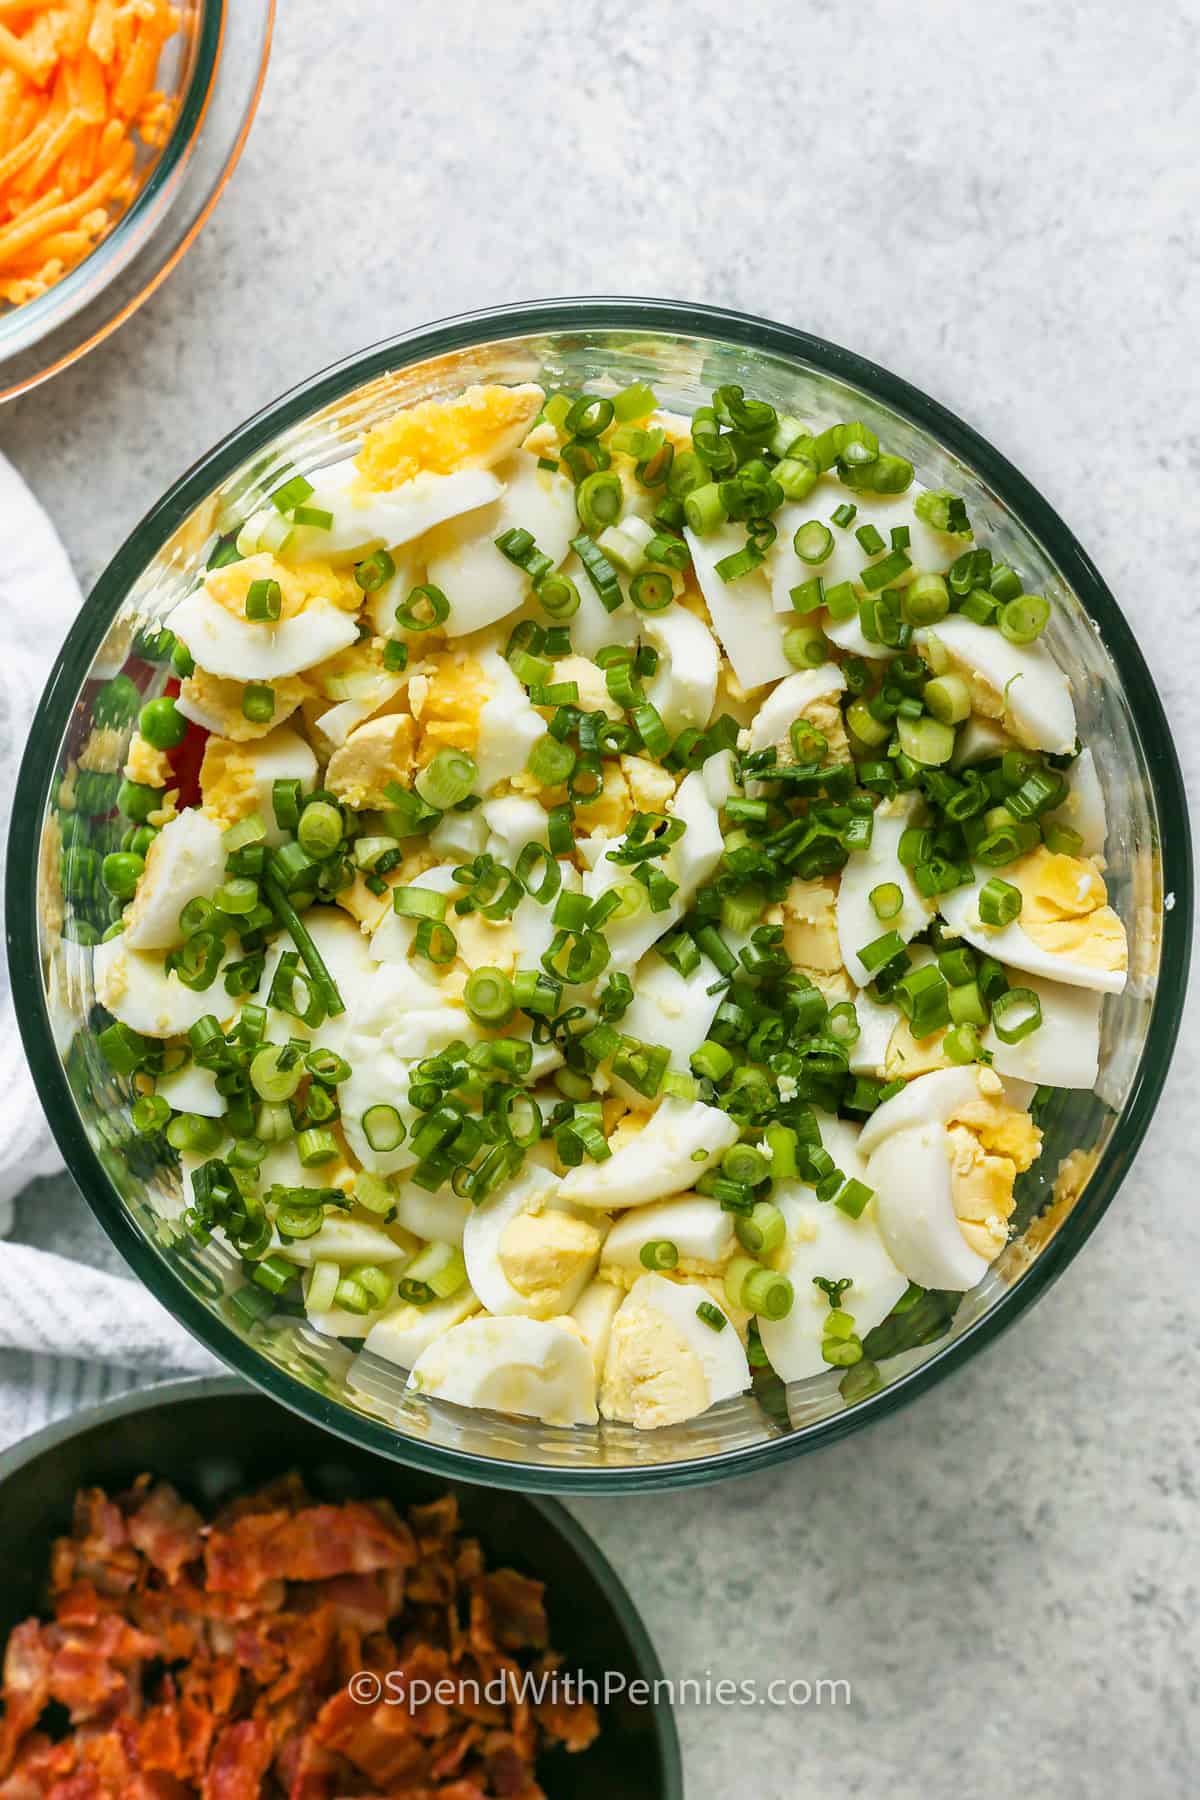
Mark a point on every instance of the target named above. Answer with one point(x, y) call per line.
point(120, 123)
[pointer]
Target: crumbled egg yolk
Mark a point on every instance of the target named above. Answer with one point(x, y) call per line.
point(299, 588)
point(379, 752)
point(1065, 909)
point(650, 785)
point(989, 1144)
point(447, 698)
point(542, 1252)
point(219, 701)
point(146, 764)
point(810, 933)
point(228, 781)
point(103, 751)
point(439, 436)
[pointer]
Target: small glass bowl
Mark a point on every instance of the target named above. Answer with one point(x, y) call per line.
point(213, 68)
point(133, 1184)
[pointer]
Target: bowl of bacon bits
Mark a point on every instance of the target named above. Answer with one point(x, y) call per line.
point(120, 122)
point(207, 1596)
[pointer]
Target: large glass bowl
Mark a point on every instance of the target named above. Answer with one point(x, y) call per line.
point(133, 1185)
point(213, 69)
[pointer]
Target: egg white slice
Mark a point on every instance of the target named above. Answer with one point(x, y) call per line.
point(512, 820)
point(824, 1241)
point(689, 863)
point(670, 1009)
point(346, 1241)
point(440, 1217)
point(534, 1367)
point(403, 1332)
point(593, 1313)
point(857, 922)
point(479, 581)
point(192, 1090)
point(742, 612)
point(364, 516)
point(593, 626)
point(1084, 810)
point(1064, 1051)
point(532, 1190)
point(1012, 945)
point(681, 1141)
point(683, 688)
point(509, 726)
point(911, 1174)
point(715, 1356)
point(185, 862)
point(931, 1099)
point(136, 988)
point(979, 740)
point(699, 1228)
point(790, 701)
point(876, 1023)
point(1035, 693)
point(283, 755)
point(250, 650)
point(348, 715)
point(459, 836)
point(929, 551)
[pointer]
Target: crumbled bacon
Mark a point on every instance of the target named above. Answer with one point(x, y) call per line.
point(212, 1662)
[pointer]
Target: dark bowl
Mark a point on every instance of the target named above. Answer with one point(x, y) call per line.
point(213, 1436)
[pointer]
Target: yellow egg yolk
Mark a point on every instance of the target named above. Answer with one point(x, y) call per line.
point(219, 702)
point(378, 753)
point(299, 587)
point(1065, 909)
point(440, 436)
point(989, 1145)
point(447, 698)
point(541, 1253)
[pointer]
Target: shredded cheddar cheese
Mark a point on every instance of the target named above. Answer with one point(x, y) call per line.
point(77, 101)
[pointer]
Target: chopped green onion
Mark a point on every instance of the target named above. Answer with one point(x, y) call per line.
point(813, 542)
point(599, 500)
point(258, 702)
point(1025, 1003)
point(926, 740)
point(315, 1146)
point(383, 1127)
point(948, 698)
point(447, 780)
point(651, 590)
point(489, 998)
point(745, 1164)
point(711, 1315)
point(704, 509)
point(558, 596)
point(293, 493)
point(374, 571)
point(599, 571)
point(1024, 619)
point(767, 1293)
point(320, 829)
point(425, 608)
point(659, 1253)
point(551, 762)
point(853, 1198)
point(740, 563)
point(763, 1230)
point(887, 900)
point(999, 902)
point(885, 572)
point(264, 600)
point(589, 416)
point(805, 646)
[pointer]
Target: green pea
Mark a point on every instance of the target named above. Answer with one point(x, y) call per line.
point(162, 724)
point(135, 800)
point(120, 872)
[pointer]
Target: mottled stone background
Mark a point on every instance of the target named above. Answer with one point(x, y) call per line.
point(999, 202)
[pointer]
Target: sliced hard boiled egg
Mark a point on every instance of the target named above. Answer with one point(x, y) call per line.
point(914, 1200)
point(665, 1362)
point(513, 820)
point(237, 780)
point(509, 726)
point(742, 612)
point(479, 581)
point(185, 862)
point(1065, 931)
point(403, 1332)
point(684, 686)
point(137, 989)
point(346, 1240)
point(1084, 810)
point(822, 1241)
point(681, 1141)
point(470, 430)
point(192, 1090)
point(593, 1313)
point(1020, 685)
point(699, 1228)
point(256, 650)
point(879, 865)
point(526, 1255)
point(364, 516)
point(539, 1368)
point(1064, 1051)
point(439, 1217)
point(340, 1322)
point(802, 694)
point(670, 1009)
point(930, 1099)
point(978, 740)
point(593, 626)
point(929, 551)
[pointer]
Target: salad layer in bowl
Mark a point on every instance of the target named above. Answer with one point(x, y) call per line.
point(601, 897)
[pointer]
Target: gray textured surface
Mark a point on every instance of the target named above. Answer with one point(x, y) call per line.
point(998, 202)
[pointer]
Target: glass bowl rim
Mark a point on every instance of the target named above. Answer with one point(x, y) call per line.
point(578, 316)
point(173, 163)
point(553, 1514)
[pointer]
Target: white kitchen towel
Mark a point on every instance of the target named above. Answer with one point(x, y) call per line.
point(51, 1306)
